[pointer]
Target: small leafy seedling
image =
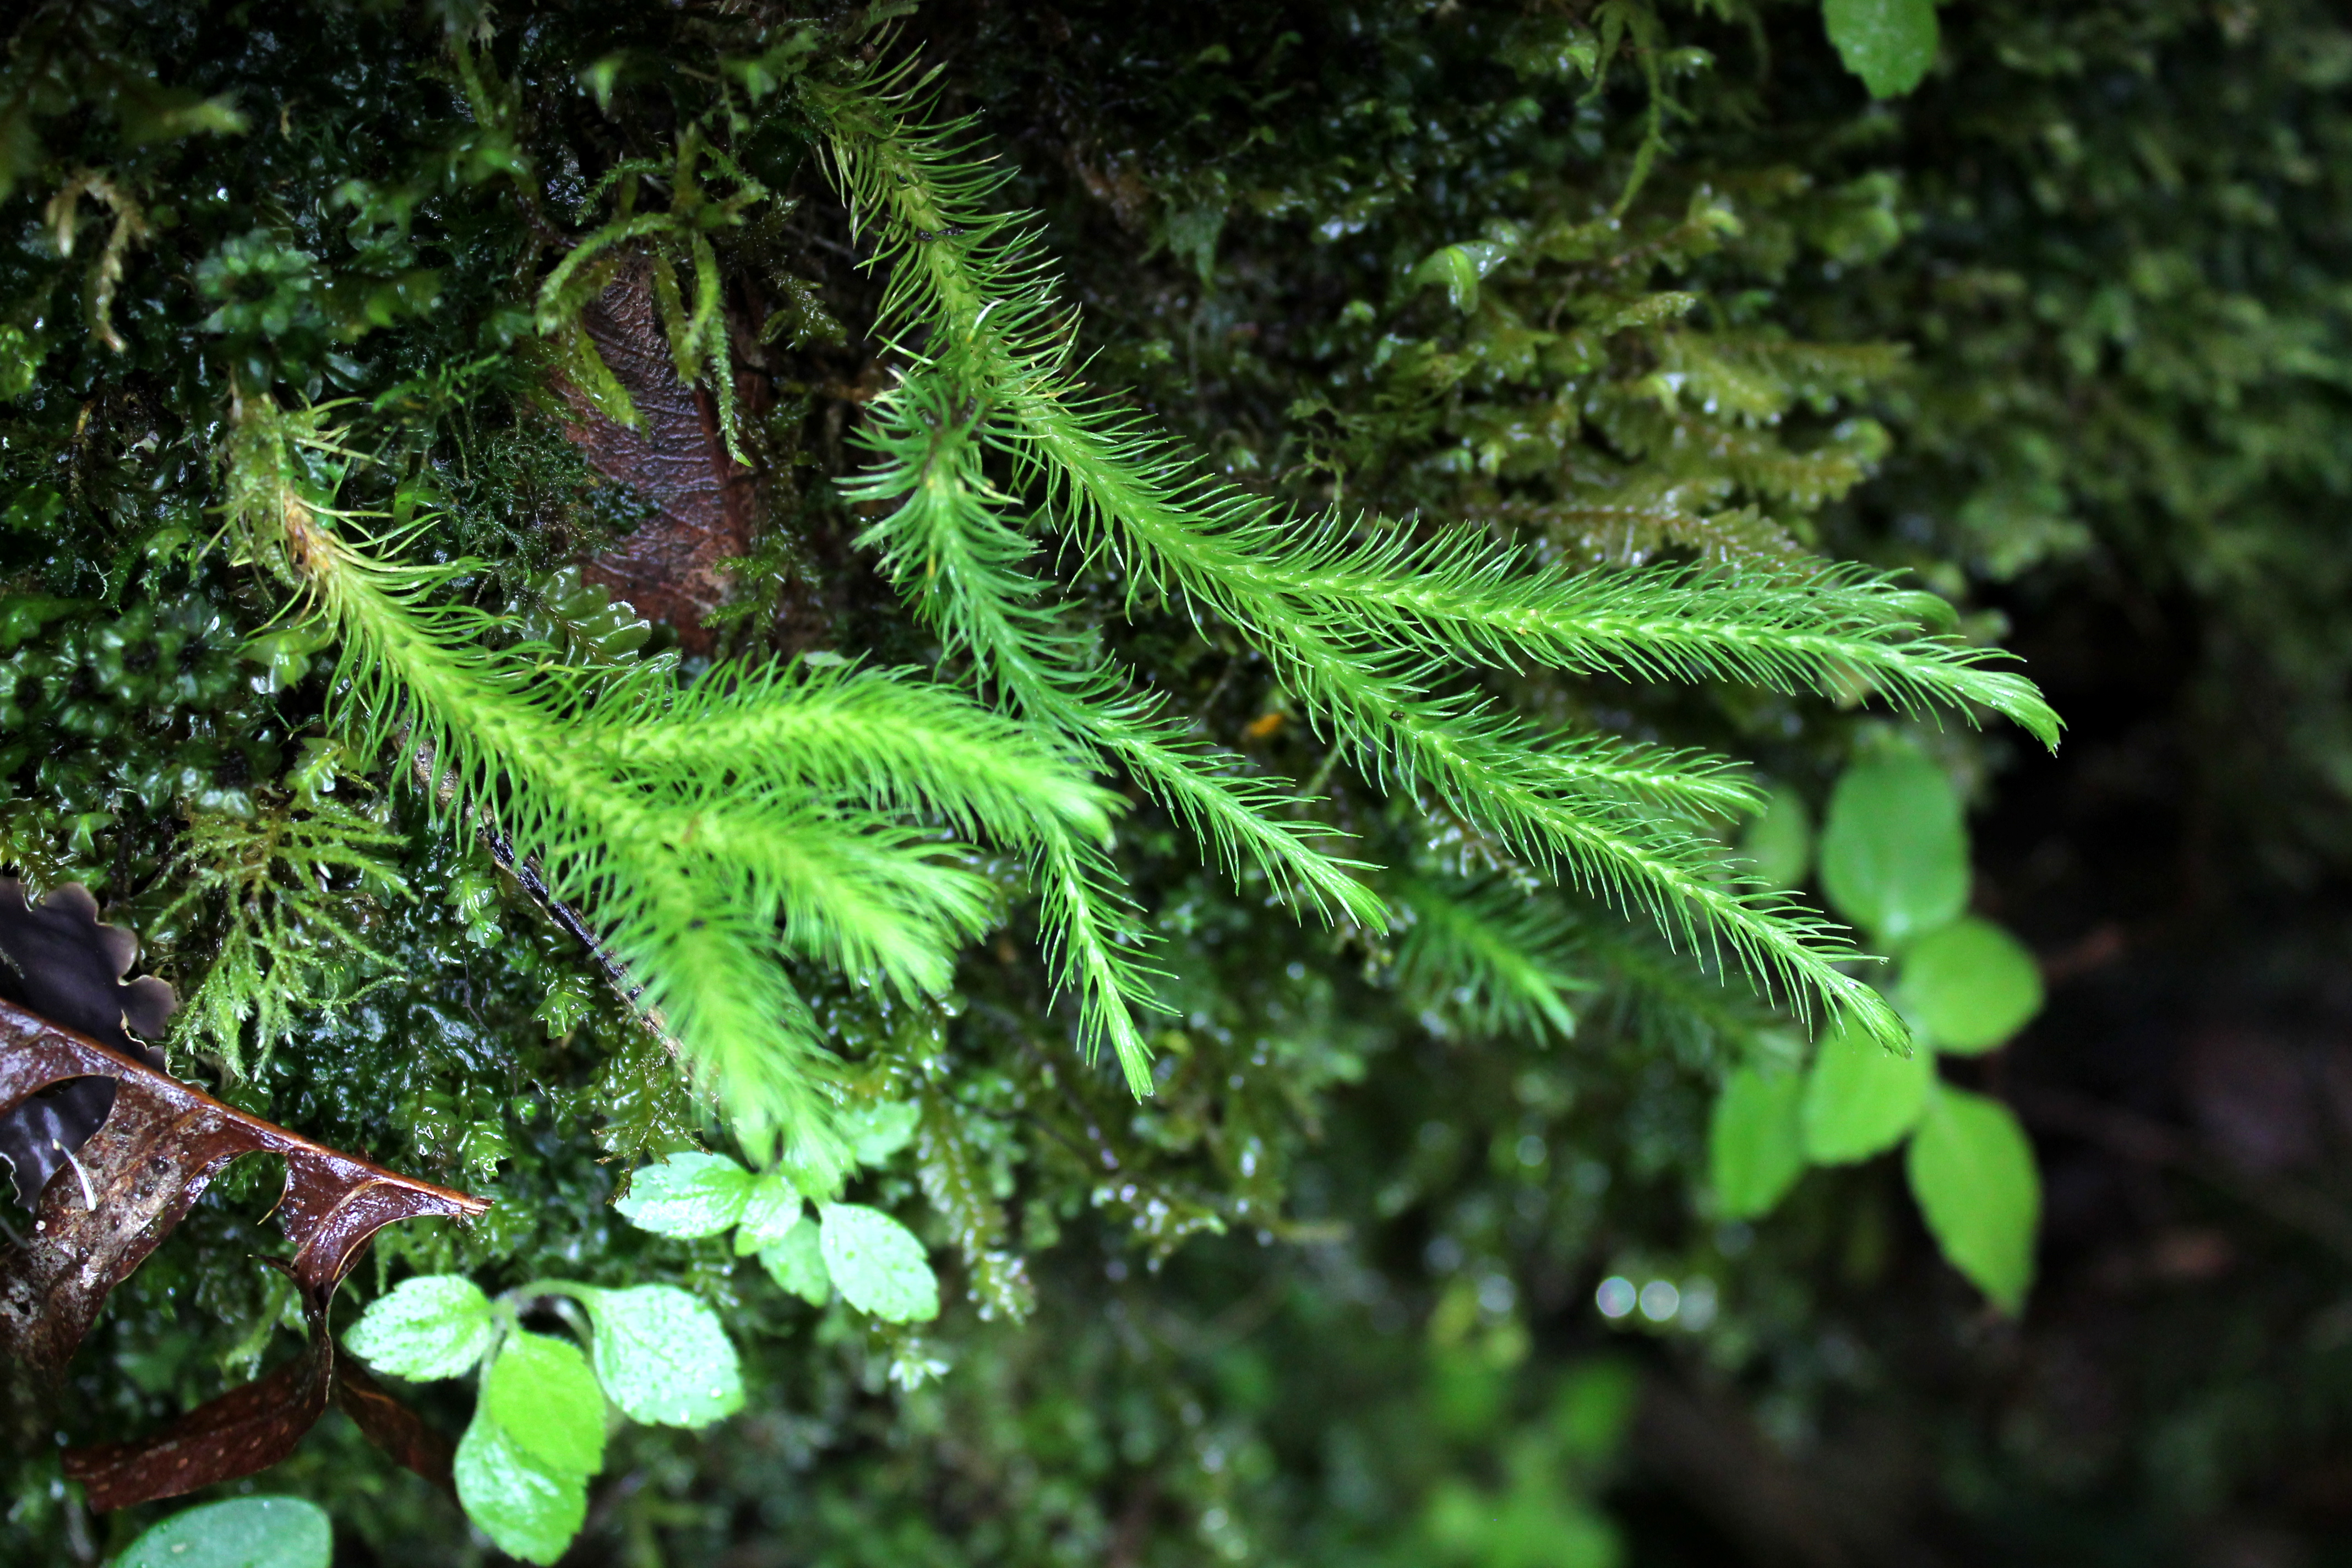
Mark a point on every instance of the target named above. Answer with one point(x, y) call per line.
point(1895, 860)
point(538, 1434)
point(877, 1264)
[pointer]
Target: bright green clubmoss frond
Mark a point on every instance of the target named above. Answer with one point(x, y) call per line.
point(1363, 633)
point(949, 551)
point(1123, 488)
point(700, 873)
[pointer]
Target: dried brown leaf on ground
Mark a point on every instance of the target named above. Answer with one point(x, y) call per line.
point(675, 457)
point(132, 1181)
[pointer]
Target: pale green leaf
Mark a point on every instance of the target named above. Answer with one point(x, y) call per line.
point(540, 1392)
point(599, 77)
point(772, 1208)
point(435, 1325)
point(167, 114)
point(796, 1262)
point(244, 1532)
point(1889, 44)
point(1778, 843)
point(663, 1355)
point(1970, 986)
point(1895, 855)
point(874, 1132)
point(530, 1511)
point(1460, 268)
point(1192, 232)
point(687, 1195)
point(1972, 1171)
point(1861, 1098)
point(877, 1264)
point(1755, 1140)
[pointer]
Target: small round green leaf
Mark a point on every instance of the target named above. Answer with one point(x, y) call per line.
point(874, 1132)
point(1895, 855)
point(244, 1532)
point(1861, 1098)
point(437, 1325)
point(687, 1195)
point(540, 1392)
point(1889, 44)
point(1778, 843)
point(877, 1264)
point(1972, 1171)
point(773, 1209)
point(1970, 985)
point(796, 1262)
point(530, 1511)
point(1756, 1141)
point(664, 1356)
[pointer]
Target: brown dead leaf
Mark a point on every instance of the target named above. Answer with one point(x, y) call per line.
point(391, 1425)
point(675, 457)
point(247, 1429)
point(135, 1180)
point(252, 1427)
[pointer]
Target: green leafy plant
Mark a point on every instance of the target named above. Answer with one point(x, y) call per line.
point(876, 1263)
point(1894, 858)
point(674, 241)
point(656, 1353)
point(716, 826)
point(1362, 631)
point(1558, 290)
